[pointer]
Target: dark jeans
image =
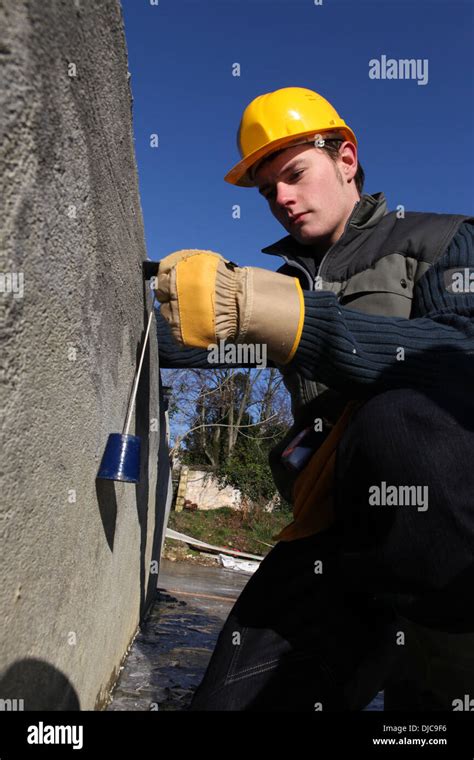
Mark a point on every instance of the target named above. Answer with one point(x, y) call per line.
point(381, 600)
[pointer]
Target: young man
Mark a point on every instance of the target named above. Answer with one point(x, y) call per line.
point(370, 321)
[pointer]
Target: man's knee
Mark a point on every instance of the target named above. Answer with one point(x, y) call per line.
point(379, 435)
point(400, 424)
point(396, 409)
point(402, 474)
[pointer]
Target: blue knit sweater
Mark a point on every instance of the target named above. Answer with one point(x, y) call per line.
point(358, 353)
point(349, 351)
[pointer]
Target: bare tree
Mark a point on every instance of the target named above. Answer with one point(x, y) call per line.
point(211, 408)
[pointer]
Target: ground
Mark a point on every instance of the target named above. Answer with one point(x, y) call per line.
point(175, 551)
point(251, 532)
point(195, 594)
point(173, 646)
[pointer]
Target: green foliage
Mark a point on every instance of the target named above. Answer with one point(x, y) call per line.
point(234, 425)
point(246, 531)
point(249, 471)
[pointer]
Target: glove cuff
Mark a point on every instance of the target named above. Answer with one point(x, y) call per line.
point(271, 309)
point(225, 310)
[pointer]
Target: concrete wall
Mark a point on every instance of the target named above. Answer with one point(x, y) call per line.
point(203, 488)
point(76, 552)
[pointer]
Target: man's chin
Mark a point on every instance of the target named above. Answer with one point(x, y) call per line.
point(319, 242)
point(307, 236)
point(308, 233)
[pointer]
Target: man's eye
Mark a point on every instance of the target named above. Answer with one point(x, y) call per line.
point(267, 196)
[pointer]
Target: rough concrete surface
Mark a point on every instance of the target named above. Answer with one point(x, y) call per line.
point(75, 573)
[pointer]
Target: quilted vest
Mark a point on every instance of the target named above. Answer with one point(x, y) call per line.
point(373, 267)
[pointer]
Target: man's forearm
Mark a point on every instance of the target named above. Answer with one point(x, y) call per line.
point(172, 356)
point(353, 352)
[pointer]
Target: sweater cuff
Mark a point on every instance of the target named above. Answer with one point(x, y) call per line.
point(321, 312)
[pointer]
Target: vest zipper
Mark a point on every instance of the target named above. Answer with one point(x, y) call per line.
point(320, 265)
point(297, 265)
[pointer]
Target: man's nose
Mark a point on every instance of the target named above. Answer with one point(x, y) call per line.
point(284, 194)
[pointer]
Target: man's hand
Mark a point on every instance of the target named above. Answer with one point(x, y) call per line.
point(207, 298)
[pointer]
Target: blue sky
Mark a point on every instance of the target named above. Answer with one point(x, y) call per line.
point(415, 141)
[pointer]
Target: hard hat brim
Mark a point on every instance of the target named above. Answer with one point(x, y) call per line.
point(240, 173)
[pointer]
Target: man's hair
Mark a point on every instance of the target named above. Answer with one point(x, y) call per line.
point(331, 147)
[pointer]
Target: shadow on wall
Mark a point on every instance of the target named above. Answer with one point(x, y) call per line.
point(40, 684)
point(42, 687)
point(71, 158)
point(105, 489)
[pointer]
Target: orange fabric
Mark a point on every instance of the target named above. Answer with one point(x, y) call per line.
point(313, 490)
point(196, 275)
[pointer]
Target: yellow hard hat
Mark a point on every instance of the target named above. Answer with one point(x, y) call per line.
point(279, 119)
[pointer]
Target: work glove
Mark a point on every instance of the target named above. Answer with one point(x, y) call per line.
point(206, 298)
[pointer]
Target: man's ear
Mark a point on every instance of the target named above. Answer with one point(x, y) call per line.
point(348, 156)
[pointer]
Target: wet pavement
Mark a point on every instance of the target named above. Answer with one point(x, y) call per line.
point(170, 653)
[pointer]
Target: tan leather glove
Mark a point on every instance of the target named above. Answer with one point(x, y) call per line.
point(207, 298)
